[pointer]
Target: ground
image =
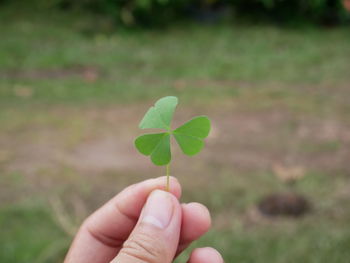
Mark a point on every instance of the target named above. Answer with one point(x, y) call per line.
point(71, 100)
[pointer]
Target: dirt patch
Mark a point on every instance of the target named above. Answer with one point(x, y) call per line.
point(105, 154)
point(251, 141)
point(284, 204)
point(96, 140)
point(87, 73)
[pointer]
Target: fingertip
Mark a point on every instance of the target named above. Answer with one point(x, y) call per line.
point(205, 255)
point(201, 211)
point(174, 185)
point(160, 183)
point(196, 221)
point(132, 199)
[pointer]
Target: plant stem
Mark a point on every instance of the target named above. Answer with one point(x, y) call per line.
point(167, 188)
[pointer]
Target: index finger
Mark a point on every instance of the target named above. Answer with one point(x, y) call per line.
point(103, 233)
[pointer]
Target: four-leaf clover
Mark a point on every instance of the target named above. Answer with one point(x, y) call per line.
point(189, 136)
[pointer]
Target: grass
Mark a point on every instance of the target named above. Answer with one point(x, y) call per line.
point(25, 233)
point(275, 95)
point(48, 59)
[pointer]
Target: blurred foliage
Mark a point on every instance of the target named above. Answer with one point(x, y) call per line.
point(162, 12)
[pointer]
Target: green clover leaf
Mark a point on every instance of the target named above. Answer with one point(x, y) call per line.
point(160, 116)
point(190, 136)
point(156, 145)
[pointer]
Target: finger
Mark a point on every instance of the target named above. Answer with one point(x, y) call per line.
point(156, 236)
point(196, 222)
point(205, 255)
point(103, 233)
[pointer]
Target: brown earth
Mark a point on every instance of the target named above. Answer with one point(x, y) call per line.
point(75, 151)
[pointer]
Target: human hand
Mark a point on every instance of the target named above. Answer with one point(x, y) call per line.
point(143, 224)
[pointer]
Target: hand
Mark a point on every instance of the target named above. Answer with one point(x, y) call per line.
point(143, 225)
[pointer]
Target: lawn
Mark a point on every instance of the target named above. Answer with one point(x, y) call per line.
point(72, 94)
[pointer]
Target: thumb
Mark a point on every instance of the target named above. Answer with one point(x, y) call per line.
point(156, 236)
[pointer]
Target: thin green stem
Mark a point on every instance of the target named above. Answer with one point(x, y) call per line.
point(167, 178)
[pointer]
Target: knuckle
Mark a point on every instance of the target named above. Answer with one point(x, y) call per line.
point(145, 248)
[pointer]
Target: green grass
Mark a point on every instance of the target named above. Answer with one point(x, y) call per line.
point(31, 234)
point(226, 61)
point(273, 94)
point(306, 244)
point(25, 232)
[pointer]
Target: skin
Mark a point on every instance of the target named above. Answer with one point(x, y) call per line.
point(117, 233)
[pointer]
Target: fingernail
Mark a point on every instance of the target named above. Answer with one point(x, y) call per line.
point(158, 209)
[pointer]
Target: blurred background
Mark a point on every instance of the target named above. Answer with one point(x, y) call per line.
point(76, 77)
